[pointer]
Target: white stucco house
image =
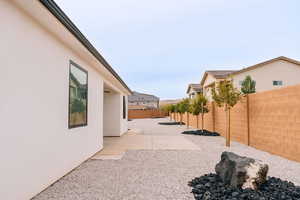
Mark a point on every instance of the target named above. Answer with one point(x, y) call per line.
point(268, 75)
point(59, 97)
point(211, 78)
point(271, 74)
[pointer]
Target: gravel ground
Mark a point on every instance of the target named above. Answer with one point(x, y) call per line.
point(156, 174)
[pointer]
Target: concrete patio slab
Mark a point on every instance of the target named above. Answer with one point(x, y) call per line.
point(143, 139)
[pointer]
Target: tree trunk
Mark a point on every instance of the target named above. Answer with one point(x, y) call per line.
point(180, 119)
point(188, 120)
point(197, 117)
point(227, 126)
point(202, 122)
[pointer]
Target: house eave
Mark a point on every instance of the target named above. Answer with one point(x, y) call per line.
point(64, 20)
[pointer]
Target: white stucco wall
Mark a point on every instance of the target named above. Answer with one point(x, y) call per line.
point(209, 80)
point(114, 124)
point(36, 146)
point(206, 86)
point(264, 76)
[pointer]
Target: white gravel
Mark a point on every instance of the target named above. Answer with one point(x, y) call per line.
point(156, 174)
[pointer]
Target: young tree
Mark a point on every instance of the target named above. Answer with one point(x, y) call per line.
point(199, 105)
point(248, 85)
point(166, 108)
point(183, 107)
point(172, 108)
point(226, 95)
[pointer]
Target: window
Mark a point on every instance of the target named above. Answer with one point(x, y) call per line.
point(124, 107)
point(275, 83)
point(78, 92)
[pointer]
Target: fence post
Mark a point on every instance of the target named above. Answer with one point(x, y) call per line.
point(248, 121)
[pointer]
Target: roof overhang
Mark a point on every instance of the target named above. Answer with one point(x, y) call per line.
point(203, 78)
point(48, 14)
point(265, 63)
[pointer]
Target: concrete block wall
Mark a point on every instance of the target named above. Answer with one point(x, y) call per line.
point(275, 121)
point(270, 122)
point(220, 120)
point(239, 127)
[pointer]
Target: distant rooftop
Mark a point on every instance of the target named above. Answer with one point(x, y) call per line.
point(196, 87)
point(220, 73)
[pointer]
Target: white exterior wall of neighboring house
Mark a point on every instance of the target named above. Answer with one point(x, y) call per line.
point(264, 76)
point(37, 147)
point(192, 93)
point(207, 86)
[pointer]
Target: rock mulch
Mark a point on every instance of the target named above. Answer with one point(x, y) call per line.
point(211, 187)
point(171, 123)
point(158, 174)
point(202, 133)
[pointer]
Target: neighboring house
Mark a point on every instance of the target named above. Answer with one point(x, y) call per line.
point(59, 97)
point(271, 74)
point(141, 99)
point(193, 90)
point(211, 78)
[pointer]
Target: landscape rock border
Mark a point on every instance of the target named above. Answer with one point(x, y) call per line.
point(171, 123)
point(199, 132)
point(211, 187)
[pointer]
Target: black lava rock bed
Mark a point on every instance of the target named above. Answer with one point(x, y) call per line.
point(199, 132)
point(171, 123)
point(211, 187)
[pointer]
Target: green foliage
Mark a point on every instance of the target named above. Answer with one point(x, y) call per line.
point(199, 105)
point(164, 108)
point(176, 107)
point(183, 106)
point(248, 85)
point(168, 108)
point(77, 106)
point(225, 94)
point(172, 108)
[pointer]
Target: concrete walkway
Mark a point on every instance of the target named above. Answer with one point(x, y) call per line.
point(160, 172)
point(146, 135)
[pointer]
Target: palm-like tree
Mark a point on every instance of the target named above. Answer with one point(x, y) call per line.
point(248, 85)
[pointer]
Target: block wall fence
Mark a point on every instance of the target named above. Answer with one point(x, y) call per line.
point(149, 113)
point(269, 121)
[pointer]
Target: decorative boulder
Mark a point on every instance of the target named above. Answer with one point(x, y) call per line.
point(241, 172)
